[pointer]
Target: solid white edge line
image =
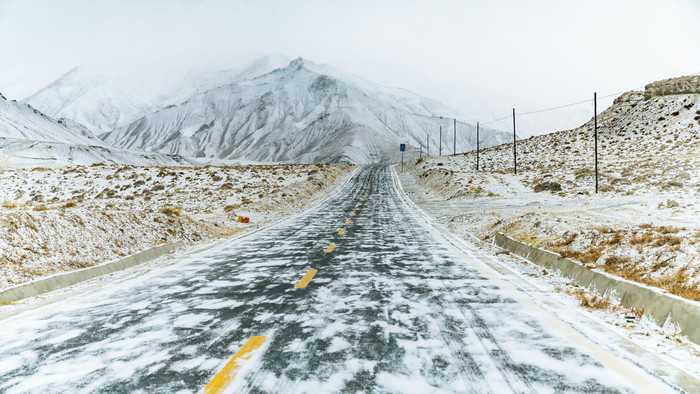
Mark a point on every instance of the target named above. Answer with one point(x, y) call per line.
point(624, 368)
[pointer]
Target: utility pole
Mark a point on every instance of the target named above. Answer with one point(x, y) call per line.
point(515, 157)
point(477, 146)
point(420, 152)
point(595, 136)
point(455, 139)
point(440, 148)
point(427, 145)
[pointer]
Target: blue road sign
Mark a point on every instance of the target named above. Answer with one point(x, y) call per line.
point(402, 147)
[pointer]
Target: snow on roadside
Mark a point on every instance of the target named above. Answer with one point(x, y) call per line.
point(644, 225)
point(670, 345)
point(59, 219)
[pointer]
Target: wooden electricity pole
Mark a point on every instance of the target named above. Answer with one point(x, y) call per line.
point(515, 157)
point(477, 146)
point(440, 148)
point(595, 135)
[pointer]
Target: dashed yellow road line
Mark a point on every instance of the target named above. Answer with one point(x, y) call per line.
point(354, 213)
point(224, 378)
point(348, 222)
point(330, 248)
point(341, 232)
point(357, 209)
point(359, 205)
point(308, 276)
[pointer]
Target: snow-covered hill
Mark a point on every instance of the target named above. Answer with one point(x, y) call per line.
point(16, 153)
point(302, 113)
point(29, 138)
point(99, 99)
point(21, 121)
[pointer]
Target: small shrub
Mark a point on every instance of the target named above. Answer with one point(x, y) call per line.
point(590, 256)
point(671, 204)
point(593, 301)
point(170, 211)
point(617, 260)
point(70, 204)
point(547, 186)
point(667, 240)
point(232, 207)
point(643, 239)
point(40, 208)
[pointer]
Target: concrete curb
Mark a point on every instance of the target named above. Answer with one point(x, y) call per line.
point(67, 279)
point(662, 308)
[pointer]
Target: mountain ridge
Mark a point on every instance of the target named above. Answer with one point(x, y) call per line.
point(280, 115)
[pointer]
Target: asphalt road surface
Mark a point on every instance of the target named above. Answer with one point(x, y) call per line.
point(390, 308)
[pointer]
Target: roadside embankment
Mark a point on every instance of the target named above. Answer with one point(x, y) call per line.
point(69, 218)
point(664, 309)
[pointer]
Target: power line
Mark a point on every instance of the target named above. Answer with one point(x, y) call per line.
point(567, 105)
point(559, 107)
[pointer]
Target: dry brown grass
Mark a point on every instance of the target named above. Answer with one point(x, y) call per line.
point(675, 283)
point(170, 211)
point(232, 207)
point(667, 240)
point(9, 204)
point(643, 239)
point(41, 208)
point(593, 301)
point(590, 256)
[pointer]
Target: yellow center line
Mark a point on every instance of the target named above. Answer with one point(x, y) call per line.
point(309, 275)
point(330, 248)
point(353, 214)
point(222, 379)
point(341, 232)
point(357, 209)
point(359, 204)
point(348, 222)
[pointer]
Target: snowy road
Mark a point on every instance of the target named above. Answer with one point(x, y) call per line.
point(390, 309)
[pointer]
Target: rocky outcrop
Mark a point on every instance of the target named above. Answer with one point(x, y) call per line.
point(681, 85)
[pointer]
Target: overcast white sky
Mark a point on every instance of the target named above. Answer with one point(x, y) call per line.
point(544, 51)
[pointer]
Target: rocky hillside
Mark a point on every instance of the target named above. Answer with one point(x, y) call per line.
point(648, 142)
point(642, 225)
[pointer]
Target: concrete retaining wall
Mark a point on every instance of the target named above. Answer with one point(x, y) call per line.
point(67, 279)
point(661, 307)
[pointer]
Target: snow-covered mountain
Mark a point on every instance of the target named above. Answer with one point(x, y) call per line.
point(22, 121)
point(103, 100)
point(30, 138)
point(303, 113)
point(99, 99)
